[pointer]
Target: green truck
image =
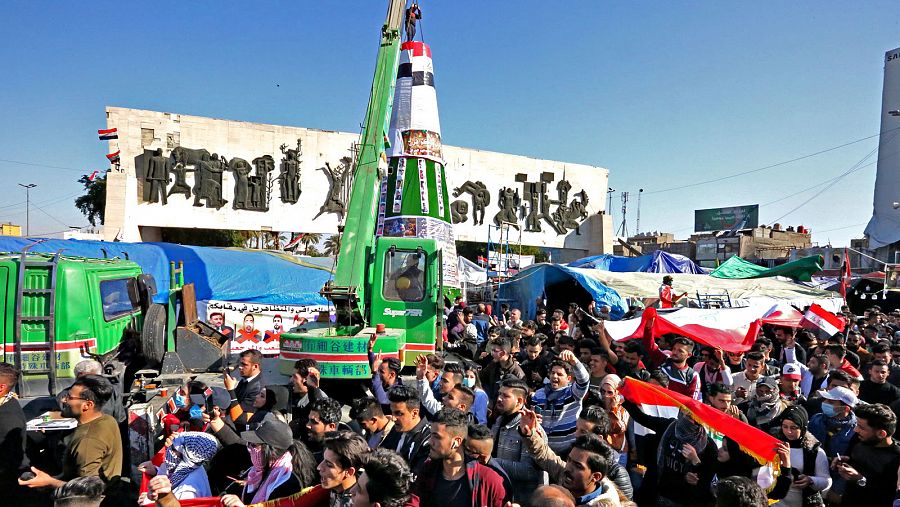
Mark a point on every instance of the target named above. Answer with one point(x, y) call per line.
point(57, 310)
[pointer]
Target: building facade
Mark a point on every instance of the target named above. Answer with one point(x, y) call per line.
point(186, 171)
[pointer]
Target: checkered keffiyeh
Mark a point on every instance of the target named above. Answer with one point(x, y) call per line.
point(189, 450)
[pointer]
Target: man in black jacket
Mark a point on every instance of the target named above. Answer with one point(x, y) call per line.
point(245, 391)
point(12, 429)
point(305, 391)
point(411, 433)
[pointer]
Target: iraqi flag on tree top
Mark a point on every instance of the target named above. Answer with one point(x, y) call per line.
point(108, 134)
point(819, 318)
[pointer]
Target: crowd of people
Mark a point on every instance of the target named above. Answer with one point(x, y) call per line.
point(534, 415)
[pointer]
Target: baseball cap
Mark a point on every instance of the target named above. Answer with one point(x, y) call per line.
point(841, 394)
point(271, 432)
point(768, 381)
point(791, 371)
point(198, 399)
point(219, 398)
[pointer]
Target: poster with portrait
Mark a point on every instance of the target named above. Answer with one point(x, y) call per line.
point(256, 325)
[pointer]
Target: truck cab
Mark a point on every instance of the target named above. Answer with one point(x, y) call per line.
point(73, 307)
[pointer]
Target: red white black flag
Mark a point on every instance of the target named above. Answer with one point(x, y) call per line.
point(108, 134)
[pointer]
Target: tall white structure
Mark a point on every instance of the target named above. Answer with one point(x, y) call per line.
point(884, 227)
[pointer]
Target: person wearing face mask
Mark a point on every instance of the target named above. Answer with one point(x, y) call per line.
point(272, 475)
point(834, 426)
point(480, 405)
point(763, 410)
point(183, 464)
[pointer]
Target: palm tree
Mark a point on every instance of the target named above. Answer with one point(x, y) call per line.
point(309, 242)
point(332, 245)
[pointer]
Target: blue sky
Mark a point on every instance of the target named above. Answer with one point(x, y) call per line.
point(663, 94)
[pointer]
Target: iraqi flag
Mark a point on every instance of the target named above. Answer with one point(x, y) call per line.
point(846, 275)
point(751, 440)
point(114, 157)
point(818, 318)
point(106, 135)
point(294, 242)
point(730, 329)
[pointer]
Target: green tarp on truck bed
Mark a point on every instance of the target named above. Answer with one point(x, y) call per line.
point(800, 269)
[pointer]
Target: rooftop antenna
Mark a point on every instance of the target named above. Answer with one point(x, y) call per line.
point(638, 225)
point(623, 228)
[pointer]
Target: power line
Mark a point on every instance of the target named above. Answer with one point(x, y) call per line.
point(855, 167)
point(53, 200)
point(840, 228)
point(779, 164)
point(42, 210)
point(34, 164)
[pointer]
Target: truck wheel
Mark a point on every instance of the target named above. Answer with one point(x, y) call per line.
point(153, 334)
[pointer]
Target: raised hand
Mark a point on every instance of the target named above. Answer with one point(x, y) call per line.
point(528, 423)
point(158, 486)
point(421, 366)
point(783, 450)
point(568, 356)
point(230, 382)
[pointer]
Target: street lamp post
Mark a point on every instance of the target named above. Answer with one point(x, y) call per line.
point(27, 188)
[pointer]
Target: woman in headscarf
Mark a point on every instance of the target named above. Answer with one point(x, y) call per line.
point(618, 416)
point(808, 464)
point(686, 463)
point(183, 464)
point(273, 475)
point(271, 402)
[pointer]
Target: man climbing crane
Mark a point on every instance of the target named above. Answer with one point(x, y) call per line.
point(413, 14)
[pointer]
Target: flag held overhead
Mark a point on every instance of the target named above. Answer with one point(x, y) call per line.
point(819, 318)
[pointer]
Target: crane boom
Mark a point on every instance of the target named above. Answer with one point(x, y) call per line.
point(348, 289)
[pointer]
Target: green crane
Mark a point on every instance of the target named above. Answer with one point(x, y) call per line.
point(352, 276)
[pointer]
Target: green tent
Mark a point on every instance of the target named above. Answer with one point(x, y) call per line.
point(800, 269)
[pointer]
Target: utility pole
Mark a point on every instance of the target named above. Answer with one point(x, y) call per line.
point(27, 188)
point(623, 228)
point(638, 225)
point(609, 196)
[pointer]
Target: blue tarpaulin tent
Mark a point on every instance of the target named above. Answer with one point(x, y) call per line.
point(226, 274)
point(656, 262)
point(530, 283)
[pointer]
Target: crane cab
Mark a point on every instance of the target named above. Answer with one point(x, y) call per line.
point(407, 292)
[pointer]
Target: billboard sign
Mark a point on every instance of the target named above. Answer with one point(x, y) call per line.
point(719, 219)
point(258, 325)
